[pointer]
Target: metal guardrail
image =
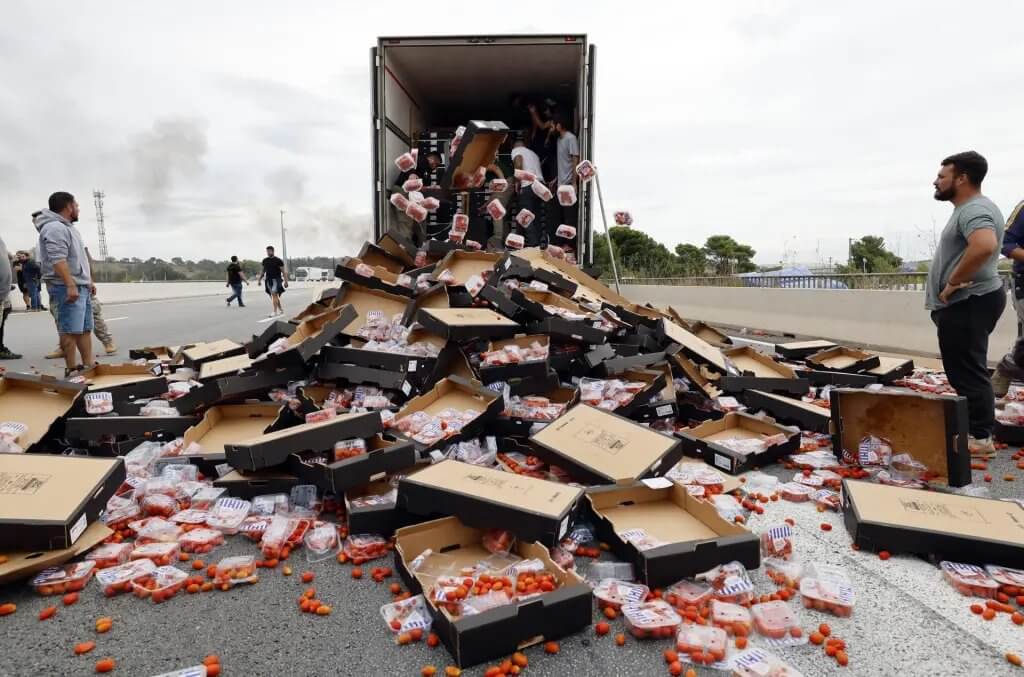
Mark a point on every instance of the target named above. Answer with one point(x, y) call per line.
point(880, 281)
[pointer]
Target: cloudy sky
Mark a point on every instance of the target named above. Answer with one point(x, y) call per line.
point(789, 124)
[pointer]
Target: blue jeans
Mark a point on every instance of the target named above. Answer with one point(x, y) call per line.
point(72, 318)
point(236, 293)
point(33, 295)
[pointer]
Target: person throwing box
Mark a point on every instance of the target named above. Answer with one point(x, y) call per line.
point(964, 291)
point(68, 278)
point(275, 280)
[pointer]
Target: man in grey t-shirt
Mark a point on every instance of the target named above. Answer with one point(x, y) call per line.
point(964, 290)
point(568, 153)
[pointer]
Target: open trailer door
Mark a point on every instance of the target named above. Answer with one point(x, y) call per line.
point(589, 136)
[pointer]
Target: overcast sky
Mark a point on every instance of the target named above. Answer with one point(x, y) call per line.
point(789, 125)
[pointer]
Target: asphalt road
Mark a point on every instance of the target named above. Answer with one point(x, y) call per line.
point(907, 620)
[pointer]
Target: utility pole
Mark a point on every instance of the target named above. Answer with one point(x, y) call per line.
point(101, 230)
point(284, 244)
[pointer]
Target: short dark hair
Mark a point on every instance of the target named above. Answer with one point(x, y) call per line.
point(435, 154)
point(270, 246)
point(971, 163)
point(60, 200)
point(234, 259)
point(561, 119)
point(36, 213)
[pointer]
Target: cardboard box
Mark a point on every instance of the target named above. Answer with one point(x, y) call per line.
point(350, 374)
point(223, 425)
point(892, 369)
point(365, 300)
point(318, 307)
point(533, 304)
point(354, 353)
point(272, 449)
point(465, 264)
point(503, 303)
point(382, 279)
point(275, 330)
point(799, 350)
point(535, 264)
point(758, 371)
point(125, 382)
point(656, 380)
point(194, 356)
point(662, 405)
point(698, 375)
point(706, 332)
point(161, 353)
point(633, 359)
point(390, 253)
point(498, 632)
point(934, 524)
point(256, 382)
point(510, 426)
point(931, 428)
point(309, 337)
point(384, 518)
point(599, 447)
point(845, 359)
point(1009, 434)
point(695, 348)
point(790, 411)
point(224, 367)
point(246, 485)
point(522, 370)
point(97, 428)
point(695, 537)
point(460, 394)
point(703, 441)
point(479, 144)
point(47, 501)
point(21, 564)
point(384, 454)
point(528, 386)
point(837, 378)
point(39, 402)
point(464, 324)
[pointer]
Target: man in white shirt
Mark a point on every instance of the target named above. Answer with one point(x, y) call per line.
point(568, 155)
point(525, 159)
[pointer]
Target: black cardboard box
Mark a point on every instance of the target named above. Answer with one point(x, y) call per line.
point(656, 380)
point(275, 330)
point(799, 350)
point(533, 509)
point(161, 353)
point(625, 359)
point(194, 356)
point(38, 402)
point(464, 324)
point(760, 372)
point(272, 449)
point(352, 374)
point(47, 501)
point(515, 426)
point(695, 348)
point(520, 370)
point(931, 428)
point(125, 383)
point(712, 335)
point(369, 304)
point(460, 394)
point(21, 564)
point(503, 303)
point(665, 404)
point(891, 369)
point(837, 378)
point(703, 441)
point(382, 515)
point(247, 485)
point(394, 245)
point(934, 524)
point(695, 537)
point(480, 142)
point(599, 447)
point(225, 424)
point(97, 428)
point(790, 411)
point(497, 632)
point(383, 454)
point(1008, 433)
point(697, 375)
point(528, 386)
point(226, 366)
point(309, 337)
point(845, 359)
point(382, 279)
point(353, 353)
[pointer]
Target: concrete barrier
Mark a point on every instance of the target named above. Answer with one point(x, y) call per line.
point(887, 320)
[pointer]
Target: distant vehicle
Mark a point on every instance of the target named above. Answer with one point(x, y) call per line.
point(311, 274)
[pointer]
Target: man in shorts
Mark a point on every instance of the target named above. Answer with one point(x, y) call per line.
point(68, 278)
point(275, 280)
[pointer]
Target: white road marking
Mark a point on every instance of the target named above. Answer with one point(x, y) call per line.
point(115, 319)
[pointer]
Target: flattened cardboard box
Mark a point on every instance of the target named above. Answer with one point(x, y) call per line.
point(271, 449)
point(521, 370)
point(934, 524)
point(21, 564)
point(599, 447)
point(96, 428)
point(463, 324)
point(704, 441)
point(931, 428)
point(799, 350)
point(758, 371)
point(460, 394)
point(366, 301)
point(47, 501)
point(382, 455)
point(532, 509)
point(224, 424)
point(695, 537)
point(310, 336)
point(38, 402)
point(194, 356)
point(500, 631)
point(845, 359)
point(250, 484)
point(790, 411)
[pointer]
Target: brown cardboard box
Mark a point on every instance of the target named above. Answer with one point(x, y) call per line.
point(698, 375)
point(533, 509)
point(224, 366)
point(383, 279)
point(245, 485)
point(935, 524)
point(758, 371)
point(310, 336)
point(696, 348)
point(599, 447)
point(47, 501)
point(365, 300)
point(891, 369)
point(790, 411)
point(22, 564)
point(931, 428)
point(521, 370)
point(703, 440)
point(39, 402)
point(706, 332)
point(845, 359)
point(460, 394)
point(464, 265)
point(226, 424)
point(463, 324)
point(798, 350)
point(694, 536)
point(194, 356)
point(383, 454)
point(500, 631)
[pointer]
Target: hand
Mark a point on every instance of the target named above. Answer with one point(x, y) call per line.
point(286, 284)
point(72, 294)
point(227, 284)
point(949, 290)
point(92, 289)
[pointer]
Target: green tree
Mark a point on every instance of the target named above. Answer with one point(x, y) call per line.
point(869, 255)
point(728, 256)
point(636, 253)
point(692, 260)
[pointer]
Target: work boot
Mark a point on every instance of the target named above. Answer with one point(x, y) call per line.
point(57, 354)
point(1000, 383)
point(6, 354)
point(110, 348)
point(983, 448)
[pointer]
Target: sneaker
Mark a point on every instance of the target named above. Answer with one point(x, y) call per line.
point(110, 348)
point(6, 354)
point(983, 448)
point(1000, 383)
point(240, 305)
point(229, 302)
point(57, 354)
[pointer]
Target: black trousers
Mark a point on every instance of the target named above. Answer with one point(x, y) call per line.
point(963, 329)
point(4, 312)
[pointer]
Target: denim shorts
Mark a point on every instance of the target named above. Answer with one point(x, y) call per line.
point(273, 285)
point(72, 318)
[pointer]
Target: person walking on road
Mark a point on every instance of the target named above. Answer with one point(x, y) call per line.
point(6, 283)
point(235, 279)
point(274, 277)
point(32, 275)
point(68, 278)
point(964, 291)
point(1011, 367)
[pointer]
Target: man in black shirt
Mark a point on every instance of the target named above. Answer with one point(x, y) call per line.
point(235, 279)
point(276, 280)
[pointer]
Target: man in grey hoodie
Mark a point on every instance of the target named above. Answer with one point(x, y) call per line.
point(6, 279)
point(68, 278)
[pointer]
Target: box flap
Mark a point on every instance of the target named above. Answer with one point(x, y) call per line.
point(18, 565)
point(35, 401)
point(222, 367)
point(468, 317)
point(698, 347)
point(44, 488)
point(750, 361)
point(109, 375)
point(204, 351)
